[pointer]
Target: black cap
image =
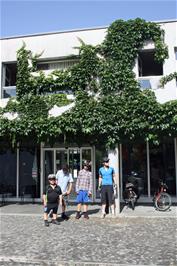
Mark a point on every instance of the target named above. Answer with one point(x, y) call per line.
point(106, 160)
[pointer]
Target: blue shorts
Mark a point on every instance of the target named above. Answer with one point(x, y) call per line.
point(83, 197)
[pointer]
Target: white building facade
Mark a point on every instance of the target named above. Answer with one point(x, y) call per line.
point(20, 179)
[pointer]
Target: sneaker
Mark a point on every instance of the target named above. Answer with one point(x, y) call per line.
point(86, 215)
point(46, 223)
point(55, 222)
point(78, 215)
point(103, 215)
point(64, 217)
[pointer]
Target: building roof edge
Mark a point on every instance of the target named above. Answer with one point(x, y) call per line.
point(76, 30)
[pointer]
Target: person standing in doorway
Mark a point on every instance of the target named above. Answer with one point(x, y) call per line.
point(83, 190)
point(106, 183)
point(64, 180)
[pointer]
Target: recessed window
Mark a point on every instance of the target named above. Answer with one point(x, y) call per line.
point(10, 74)
point(147, 65)
point(42, 66)
point(56, 65)
point(176, 53)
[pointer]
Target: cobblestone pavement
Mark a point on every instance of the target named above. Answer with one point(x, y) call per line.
point(119, 241)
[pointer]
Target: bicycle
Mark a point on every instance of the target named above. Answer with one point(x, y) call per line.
point(161, 199)
point(130, 195)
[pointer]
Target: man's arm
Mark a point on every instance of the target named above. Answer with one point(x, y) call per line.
point(90, 185)
point(99, 181)
point(60, 200)
point(44, 199)
point(69, 188)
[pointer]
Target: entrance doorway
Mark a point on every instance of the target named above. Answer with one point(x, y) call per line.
point(55, 158)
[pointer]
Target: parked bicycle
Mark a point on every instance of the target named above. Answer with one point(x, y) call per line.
point(131, 193)
point(161, 199)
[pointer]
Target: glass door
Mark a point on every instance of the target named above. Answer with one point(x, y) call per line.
point(54, 159)
point(48, 165)
point(74, 158)
point(61, 158)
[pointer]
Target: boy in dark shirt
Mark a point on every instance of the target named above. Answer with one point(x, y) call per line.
point(51, 198)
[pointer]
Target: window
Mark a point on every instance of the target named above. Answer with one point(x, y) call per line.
point(176, 53)
point(10, 74)
point(62, 64)
point(147, 65)
point(42, 66)
point(9, 77)
point(145, 83)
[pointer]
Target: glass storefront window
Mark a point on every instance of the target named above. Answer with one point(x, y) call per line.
point(8, 172)
point(74, 166)
point(134, 166)
point(61, 159)
point(29, 174)
point(162, 166)
point(48, 165)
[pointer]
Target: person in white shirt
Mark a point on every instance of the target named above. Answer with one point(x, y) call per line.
point(64, 180)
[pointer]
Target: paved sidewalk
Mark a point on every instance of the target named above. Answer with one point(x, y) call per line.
point(123, 241)
point(94, 211)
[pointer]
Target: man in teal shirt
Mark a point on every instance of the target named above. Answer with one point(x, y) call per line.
point(106, 182)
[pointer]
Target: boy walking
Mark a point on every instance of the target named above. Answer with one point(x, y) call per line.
point(51, 198)
point(83, 190)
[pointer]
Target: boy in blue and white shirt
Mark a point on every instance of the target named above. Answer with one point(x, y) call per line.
point(64, 180)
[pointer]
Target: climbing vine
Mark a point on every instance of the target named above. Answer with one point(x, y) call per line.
point(109, 105)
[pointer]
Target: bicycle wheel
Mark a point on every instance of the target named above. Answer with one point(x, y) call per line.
point(163, 202)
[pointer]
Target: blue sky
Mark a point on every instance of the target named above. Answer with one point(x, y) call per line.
point(38, 16)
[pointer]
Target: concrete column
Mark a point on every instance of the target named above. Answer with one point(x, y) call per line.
point(114, 162)
point(42, 170)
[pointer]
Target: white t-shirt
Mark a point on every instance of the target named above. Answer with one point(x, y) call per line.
point(63, 180)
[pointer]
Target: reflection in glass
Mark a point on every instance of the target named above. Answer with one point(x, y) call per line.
point(61, 159)
point(29, 175)
point(8, 162)
point(48, 165)
point(162, 166)
point(74, 167)
point(100, 153)
point(134, 160)
point(86, 156)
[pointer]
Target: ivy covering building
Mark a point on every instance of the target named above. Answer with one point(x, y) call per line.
point(78, 95)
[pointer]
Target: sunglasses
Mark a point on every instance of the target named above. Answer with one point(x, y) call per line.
point(50, 179)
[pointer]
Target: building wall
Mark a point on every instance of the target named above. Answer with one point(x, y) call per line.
point(59, 45)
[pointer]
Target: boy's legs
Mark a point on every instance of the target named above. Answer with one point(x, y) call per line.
point(45, 216)
point(54, 218)
point(63, 208)
point(78, 214)
point(79, 199)
point(103, 201)
point(46, 223)
point(86, 200)
point(79, 207)
point(111, 199)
